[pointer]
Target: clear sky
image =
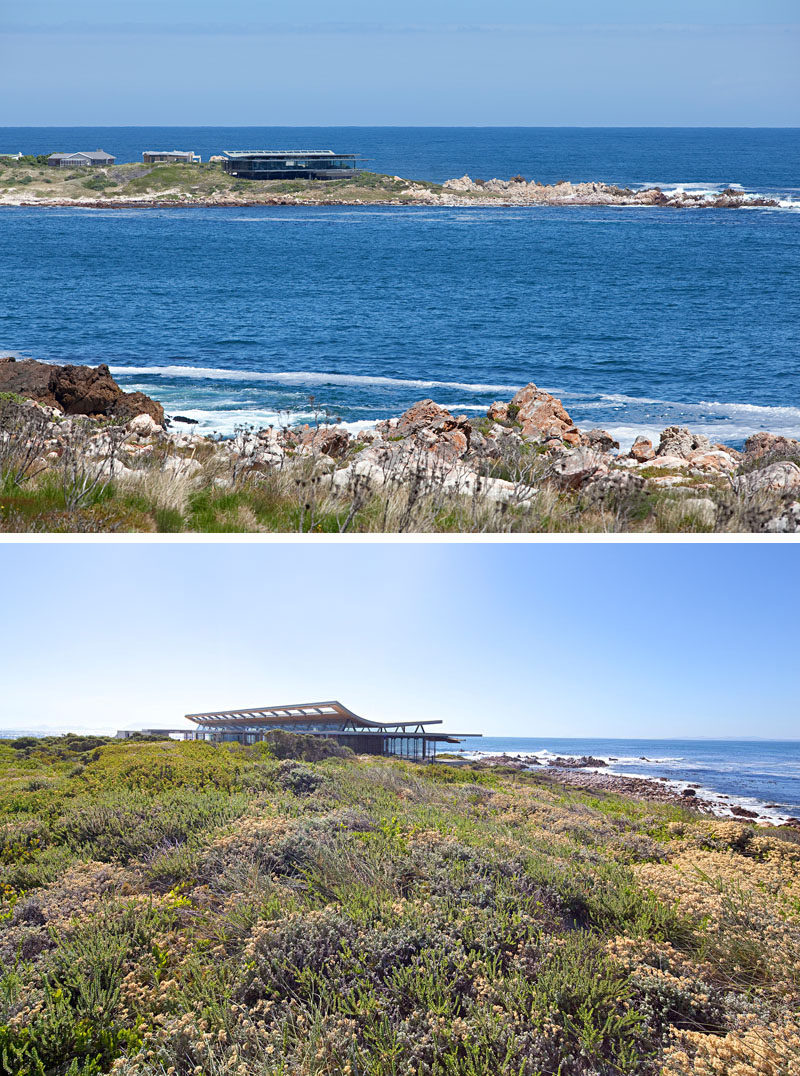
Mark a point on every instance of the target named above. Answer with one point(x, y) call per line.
point(522, 640)
point(437, 62)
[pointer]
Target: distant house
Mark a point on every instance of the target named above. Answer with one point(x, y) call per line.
point(91, 158)
point(171, 156)
point(11, 156)
point(290, 164)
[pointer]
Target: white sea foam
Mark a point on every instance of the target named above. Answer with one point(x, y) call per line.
point(300, 377)
point(226, 423)
point(717, 420)
point(709, 797)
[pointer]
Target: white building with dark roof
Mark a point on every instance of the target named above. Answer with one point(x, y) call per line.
point(83, 159)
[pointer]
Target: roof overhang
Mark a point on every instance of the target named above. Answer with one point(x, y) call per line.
point(319, 712)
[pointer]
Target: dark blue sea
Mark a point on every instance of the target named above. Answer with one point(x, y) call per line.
point(761, 775)
point(636, 317)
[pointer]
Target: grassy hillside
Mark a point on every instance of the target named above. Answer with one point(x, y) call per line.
point(189, 909)
point(30, 180)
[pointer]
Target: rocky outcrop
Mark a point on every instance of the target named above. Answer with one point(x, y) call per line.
point(769, 444)
point(76, 390)
point(775, 478)
point(518, 191)
point(600, 441)
point(642, 450)
point(542, 416)
point(578, 467)
point(678, 441)
point(520, 449)
point(572, 763)
point(429, 426)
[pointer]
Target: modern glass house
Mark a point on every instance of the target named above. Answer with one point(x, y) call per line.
point(405, 739)
point(289, 164)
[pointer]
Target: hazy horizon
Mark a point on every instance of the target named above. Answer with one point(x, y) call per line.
point(541, 640)
point(446, 64)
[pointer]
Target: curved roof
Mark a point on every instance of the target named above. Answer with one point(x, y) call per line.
point(331, 711)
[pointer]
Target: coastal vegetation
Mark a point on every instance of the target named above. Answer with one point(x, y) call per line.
point(189, 908)
point(524, 467)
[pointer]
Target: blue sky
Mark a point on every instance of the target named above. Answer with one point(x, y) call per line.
point(561, 640)
point(423, 62)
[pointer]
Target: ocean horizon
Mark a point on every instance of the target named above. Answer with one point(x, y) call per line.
point(638, 318)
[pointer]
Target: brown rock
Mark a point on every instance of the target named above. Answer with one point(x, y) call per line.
point(130, 404)
point(678, 441)
point(432, 427)
point(642, 450)
point(599, 440)
point(763, 444)
point(576, 468)
point(783, 477)
point(712, 461)
point(734, 453)
point(498, 412)
point(76, 390)
point(542, 416)
point(329, 440)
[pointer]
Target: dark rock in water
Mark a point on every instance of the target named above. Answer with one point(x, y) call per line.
point(183, 418)
point(576, 763)
point(688, 792)
point(76, 390)
point(742, 812)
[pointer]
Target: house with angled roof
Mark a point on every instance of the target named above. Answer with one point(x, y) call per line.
point(412, 739)
point(83, 159)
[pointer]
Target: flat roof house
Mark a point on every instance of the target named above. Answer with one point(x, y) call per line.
point(80, 160)
point(289, 164)
point(171, 156)
point(405, 739)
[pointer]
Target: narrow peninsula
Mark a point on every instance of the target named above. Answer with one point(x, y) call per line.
point(30, 181)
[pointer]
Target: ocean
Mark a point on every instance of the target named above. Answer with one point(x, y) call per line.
point(637, 318)
point(760, 775)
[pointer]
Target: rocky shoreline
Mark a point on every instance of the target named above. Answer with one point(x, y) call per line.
point(505, 460)
point(582, 773)
point(464, 191)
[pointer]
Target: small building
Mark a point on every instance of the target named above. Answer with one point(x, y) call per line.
point(90, 158)
point(411, 739)
point(171, 156)
point(12, 156)
point(289, 164)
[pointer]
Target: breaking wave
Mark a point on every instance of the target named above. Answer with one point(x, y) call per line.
point(301, 377)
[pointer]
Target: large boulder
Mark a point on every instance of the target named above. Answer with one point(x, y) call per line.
point(642, 450)
point(327, 440)
point(600, 440)
point(678, 441)
point(76, 390)
point(783, 477)
point(430, 426)
point(543, 417)
point(767, 444)
point(576, 468)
